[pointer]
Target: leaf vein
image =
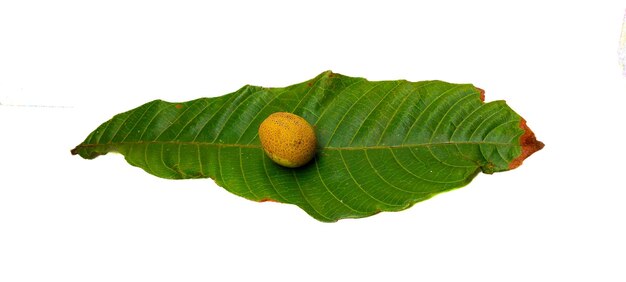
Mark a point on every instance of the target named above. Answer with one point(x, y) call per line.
point(337, 95)
point(356, 132)
point(243, 174)
point(414, 175)
point(331, 193)
point(305, 198)
point(330, 139)
point(426, 109)
point(208, 121)
point(385, 180)
point(361, 187)
point(282, 198)
point(132, 128)
point(395, 113)
point(184, 127)
point(231, 114)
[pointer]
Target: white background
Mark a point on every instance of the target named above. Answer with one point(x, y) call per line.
point(68, 66)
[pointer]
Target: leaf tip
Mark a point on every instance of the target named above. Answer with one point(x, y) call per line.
point(529, 144)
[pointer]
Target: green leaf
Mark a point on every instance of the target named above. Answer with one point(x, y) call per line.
point(383, 146)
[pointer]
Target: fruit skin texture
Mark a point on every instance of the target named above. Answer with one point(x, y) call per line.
point(288, 139)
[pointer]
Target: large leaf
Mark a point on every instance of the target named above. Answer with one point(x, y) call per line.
point(383, 146)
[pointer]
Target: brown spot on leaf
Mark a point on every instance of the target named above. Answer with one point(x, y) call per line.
point(529, 144)
point(179, 106)
point(482, 94)
point(309, 84)
point(267, 200)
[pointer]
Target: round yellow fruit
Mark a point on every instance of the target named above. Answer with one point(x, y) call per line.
point(288, 139)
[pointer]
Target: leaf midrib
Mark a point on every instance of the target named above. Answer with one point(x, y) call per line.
point(257, 146)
